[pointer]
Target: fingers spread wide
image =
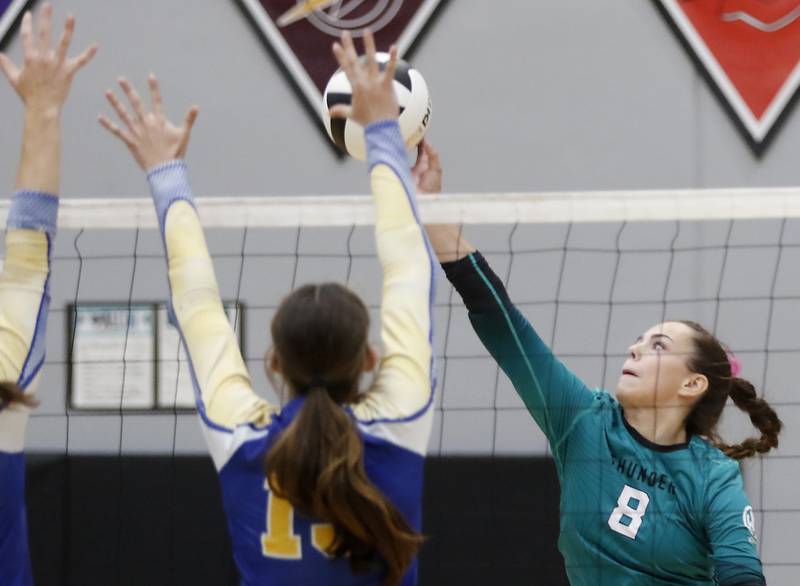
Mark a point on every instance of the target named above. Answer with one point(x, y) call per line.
point(341, 111)
point(66, 39)
point(133, 97)
point(115, 130)
point(120, 109)
point(391, 66)
point(26, 35)
point(371, 52)
point(81, 60)
point(8, 68)
point(45, 24)
point(155, 95)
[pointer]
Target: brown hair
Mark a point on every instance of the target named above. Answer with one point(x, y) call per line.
point(711, 359)
point(320, 341)
point(11, 393)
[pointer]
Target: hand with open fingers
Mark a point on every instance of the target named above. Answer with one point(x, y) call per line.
point(374, 97)
point(427, 172)
point(151, 138)
point(45, 78)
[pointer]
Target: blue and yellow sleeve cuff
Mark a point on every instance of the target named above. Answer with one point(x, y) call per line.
point(169, 182)
point(33, 210)
point(385, 146)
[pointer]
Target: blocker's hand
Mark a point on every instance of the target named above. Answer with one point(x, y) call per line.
point(151, 138)
point(46, 76)
point(374, 98)
point(427, 172)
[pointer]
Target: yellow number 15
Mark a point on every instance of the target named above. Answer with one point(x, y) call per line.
point(280, 540)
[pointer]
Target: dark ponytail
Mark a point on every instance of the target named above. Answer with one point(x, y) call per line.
point(11, 393)
point(711, 359)
point(761, 415)
point(317, 464)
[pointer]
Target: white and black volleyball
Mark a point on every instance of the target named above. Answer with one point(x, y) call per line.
point(412, 97)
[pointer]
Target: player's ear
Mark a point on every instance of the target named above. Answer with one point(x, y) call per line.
point(693, 386)
point(370, 358)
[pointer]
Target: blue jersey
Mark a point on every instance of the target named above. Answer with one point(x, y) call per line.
point(271, 550)
point(24, 300)
point(632, 512)
point(15, 565)
point(273, 544)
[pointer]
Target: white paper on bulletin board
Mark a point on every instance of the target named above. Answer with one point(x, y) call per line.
point(113, 352)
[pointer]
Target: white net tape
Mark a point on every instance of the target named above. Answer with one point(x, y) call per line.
point(542, 208)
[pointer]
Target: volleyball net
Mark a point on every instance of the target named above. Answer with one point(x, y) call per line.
point(590, 270)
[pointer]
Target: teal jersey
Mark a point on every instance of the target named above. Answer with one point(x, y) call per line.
point(632, 512)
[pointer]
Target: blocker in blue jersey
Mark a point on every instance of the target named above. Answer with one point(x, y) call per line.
point(633, 512)
point(24, 297)
point(274, 542)
point(43, 85)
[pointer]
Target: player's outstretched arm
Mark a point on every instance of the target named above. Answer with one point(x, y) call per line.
point(225, 395)
point(402, 393)
point(447, 240)
point(554, 395)
point(42, 83)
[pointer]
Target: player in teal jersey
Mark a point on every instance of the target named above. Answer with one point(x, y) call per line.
point(649, 494)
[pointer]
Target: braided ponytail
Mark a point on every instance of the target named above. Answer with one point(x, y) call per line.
point(761, 415)
point(711, 359)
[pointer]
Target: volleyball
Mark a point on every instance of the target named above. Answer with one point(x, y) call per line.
point(412, 97)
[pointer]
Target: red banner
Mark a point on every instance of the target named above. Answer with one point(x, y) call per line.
point(751, 51)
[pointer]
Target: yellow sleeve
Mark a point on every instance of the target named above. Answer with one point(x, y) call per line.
point(221, 378)
point(22, 292)
point(24, 300)
point(398, 406)
point(224, 392)
point(403, 384)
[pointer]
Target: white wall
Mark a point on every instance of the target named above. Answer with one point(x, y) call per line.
point(528, 96)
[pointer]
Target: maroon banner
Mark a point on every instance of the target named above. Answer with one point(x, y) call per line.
point(302, 31)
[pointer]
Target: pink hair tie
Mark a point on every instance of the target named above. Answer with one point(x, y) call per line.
point(736, 364)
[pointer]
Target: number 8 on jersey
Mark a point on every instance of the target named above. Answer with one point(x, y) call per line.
point(624, 511)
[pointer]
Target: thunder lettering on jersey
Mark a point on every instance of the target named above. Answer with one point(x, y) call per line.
point(272, 543)
point(642, 473)
point(632, 512)
point(24, 298)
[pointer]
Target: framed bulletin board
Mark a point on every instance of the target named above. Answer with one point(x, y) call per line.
point(128, 357)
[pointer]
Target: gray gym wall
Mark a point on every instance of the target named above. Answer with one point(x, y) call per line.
point(528, 96)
